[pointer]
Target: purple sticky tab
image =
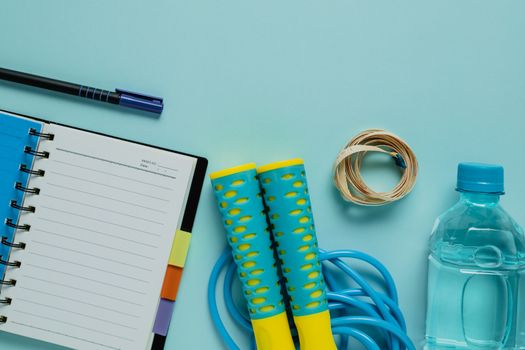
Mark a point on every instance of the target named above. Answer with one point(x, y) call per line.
point(162, 322)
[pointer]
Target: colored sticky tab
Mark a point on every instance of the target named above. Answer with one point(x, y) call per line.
point(171, 284)
point(179, 249)
point(162, 322)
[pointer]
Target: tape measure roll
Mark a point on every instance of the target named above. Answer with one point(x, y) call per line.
point(347, 167)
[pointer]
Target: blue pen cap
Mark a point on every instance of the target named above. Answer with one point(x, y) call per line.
point(479, 177)
point(140, 101)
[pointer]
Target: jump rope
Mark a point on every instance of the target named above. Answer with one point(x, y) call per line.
point(294, 291)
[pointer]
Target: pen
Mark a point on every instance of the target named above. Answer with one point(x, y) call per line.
point(118, 97)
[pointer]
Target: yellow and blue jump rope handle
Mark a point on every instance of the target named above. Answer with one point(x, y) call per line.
point(240, 203)
point(289, 210)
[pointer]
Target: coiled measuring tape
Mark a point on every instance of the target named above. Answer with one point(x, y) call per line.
point(347, 167)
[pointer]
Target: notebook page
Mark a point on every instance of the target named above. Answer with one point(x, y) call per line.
point(99, 242)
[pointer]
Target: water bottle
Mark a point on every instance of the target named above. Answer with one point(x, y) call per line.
point(476, 284)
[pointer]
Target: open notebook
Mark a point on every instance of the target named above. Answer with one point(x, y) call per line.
point(89, 226)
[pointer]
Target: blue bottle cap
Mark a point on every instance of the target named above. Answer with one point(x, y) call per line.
point(479, 177)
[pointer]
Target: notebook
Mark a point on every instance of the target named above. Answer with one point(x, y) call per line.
point(88, 235)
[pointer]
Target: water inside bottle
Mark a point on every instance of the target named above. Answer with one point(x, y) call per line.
point(475, 299)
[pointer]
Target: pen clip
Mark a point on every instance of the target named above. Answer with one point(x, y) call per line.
point(140, 101)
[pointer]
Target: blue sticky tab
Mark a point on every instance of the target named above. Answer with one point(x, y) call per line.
point(14, 137)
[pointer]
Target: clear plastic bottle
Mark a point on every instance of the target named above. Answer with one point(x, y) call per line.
point(476, 283)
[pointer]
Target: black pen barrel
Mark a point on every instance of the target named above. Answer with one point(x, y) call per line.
point(38, 81)
point(59, 86)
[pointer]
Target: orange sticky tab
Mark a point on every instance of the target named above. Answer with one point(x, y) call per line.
point(170, 287)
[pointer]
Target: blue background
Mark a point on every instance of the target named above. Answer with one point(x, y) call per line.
point(269, 80)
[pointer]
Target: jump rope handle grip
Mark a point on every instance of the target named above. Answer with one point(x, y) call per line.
point(290, 214)
point(242, 209)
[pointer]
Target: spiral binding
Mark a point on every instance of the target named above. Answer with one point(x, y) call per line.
point(20, 187)
point(49, 137)
point(14, 204)
point(11, 282)
point(29, 150)
point(23, 168)
point(30, 209)
point(20, 245)
point(10, 223)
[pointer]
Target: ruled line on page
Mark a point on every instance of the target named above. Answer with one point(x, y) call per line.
point(54, 307)
point(89, 267)
point(98, 232)
point(87, 279)
point(49, 281)
point(71, 324)
point(96, 244)
point(99, 220)
point(113, 162)
point(65, 335)
point(111, 174)
point(79, 301)
point(168, 168)
point(91, 255)
point(105, 197)
point(105, 209)
point(126, 190)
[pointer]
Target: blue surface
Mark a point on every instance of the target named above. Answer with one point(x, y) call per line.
point(263, 81)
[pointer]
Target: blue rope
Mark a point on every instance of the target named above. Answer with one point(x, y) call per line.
point(353, 310)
